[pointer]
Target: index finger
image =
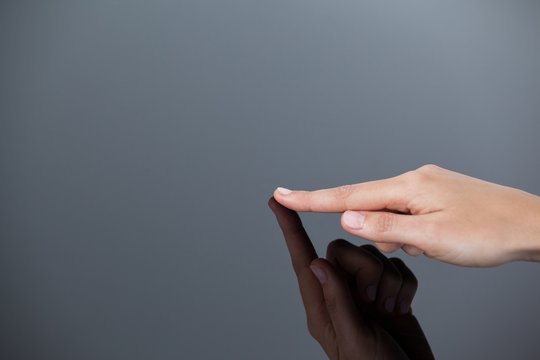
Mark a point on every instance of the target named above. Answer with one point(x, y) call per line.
point(302, 254)
point(300, 247)
point(372, 195)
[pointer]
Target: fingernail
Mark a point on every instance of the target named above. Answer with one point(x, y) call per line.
point(319, 273)
point(354, 219)
point(371, 292)
point(389, 304)
point(284, 191)
point(404, 306)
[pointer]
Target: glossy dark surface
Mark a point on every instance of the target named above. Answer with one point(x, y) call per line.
point(141, 140)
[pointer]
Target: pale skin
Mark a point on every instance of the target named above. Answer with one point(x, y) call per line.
point(443, 214)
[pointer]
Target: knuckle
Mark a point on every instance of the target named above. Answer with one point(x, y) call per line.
point(408, 278)
point(420, 176)
point(334, 247)
point(412, 180)
point(338, 243)
point(412, 282)
point(428, 168)
point(370, 258)
point(370, 248)
point(331, 304)
point(385, 222)
point(409, 176)
point(313, 329)
point(368, 271)
point(397, 262)
point(371, 262)
point(344, 191)
point(394, 277)
point(409, 286)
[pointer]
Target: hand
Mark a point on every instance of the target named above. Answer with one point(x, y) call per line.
point(357, 302)
point(445, 215)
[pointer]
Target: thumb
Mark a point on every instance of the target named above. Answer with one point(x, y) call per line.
point(342, 310)
point(386, 227)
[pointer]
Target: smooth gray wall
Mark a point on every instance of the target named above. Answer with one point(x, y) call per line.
point(140, 141)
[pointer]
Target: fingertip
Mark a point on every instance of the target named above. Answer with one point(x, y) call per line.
point(275, 206)
point(412, 250)
point(404, 307)
point(295, 200)
point(320, 273)
point(324, 265)
point(281, 191)
point(318, 262)
point(388, 247)
point(272, 202)
point(353, 220)
point(283, 196)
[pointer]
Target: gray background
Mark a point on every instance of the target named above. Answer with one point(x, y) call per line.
point(140, 141)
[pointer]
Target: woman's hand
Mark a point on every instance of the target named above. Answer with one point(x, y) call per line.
point(357, 302)
point(445, 215)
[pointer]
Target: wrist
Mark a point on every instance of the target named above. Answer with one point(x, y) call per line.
point(527, 235)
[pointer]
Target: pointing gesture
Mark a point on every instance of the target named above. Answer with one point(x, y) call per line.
point(445, 215)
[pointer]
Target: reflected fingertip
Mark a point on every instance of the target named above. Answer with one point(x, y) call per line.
point(319, 273)
point(271, 202)
point(404, 307)
point(371, 292)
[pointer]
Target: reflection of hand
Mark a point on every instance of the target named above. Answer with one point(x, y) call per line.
point(446, 215)
point(360, 306)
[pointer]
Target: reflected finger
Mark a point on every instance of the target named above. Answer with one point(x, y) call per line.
point(408, 289)
point(365, 268)
point(389, 285)
point(302, 254)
